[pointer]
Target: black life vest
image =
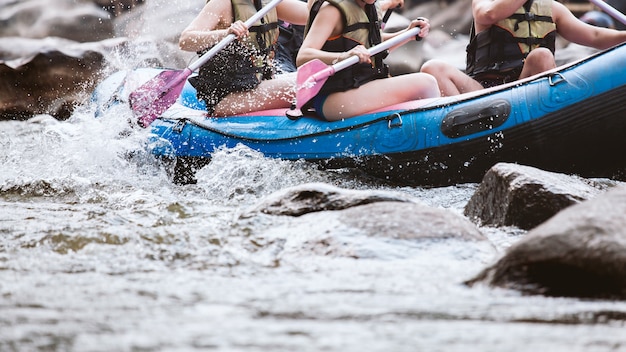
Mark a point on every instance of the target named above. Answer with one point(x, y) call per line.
point(360, 27)
point(505, 45)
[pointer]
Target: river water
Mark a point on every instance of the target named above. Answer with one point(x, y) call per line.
point(99, 251)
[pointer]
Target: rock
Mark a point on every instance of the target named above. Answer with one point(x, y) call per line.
point(314, 197)
point(352, 232)
point(400, 220)
point(117, 7)
point(344, 223)
point(580, 252)
point(48, 76)
point(523, 196)
point(446, 41)
point(80, 21)
point(570, 52)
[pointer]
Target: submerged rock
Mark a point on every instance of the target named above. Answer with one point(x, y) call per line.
point(324, 220)
point(409, 221)
point(370, 212)
point(314, 197)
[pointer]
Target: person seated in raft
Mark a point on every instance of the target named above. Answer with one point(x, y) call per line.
point(515, 39)
point(338, 29)
point(291, 37)
point(241, 77)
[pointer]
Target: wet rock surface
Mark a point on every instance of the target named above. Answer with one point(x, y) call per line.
point(522, 196)
point(580, 252)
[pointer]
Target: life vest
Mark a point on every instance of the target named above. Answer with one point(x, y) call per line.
point(505, 45)
point(242, 64)
point(264, 34)
point(361, 27)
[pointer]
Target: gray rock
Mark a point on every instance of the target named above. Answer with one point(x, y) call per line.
point(523, 196)
point(396, 229)
point(580, 252)
point(48, 76)
point(118, 7)
point(409, 221)
point(314, 197)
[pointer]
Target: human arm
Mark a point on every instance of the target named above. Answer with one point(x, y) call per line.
point(327, 23)
point(390, 4)
point(579, 32)
point(293, 11)
point(211, 25)
point(488, 12)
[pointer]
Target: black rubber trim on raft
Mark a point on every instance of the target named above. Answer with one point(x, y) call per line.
point(480, 117)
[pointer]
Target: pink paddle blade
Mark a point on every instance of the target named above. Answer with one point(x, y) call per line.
point(312, 75)
point(310, 79)
point(150, 100)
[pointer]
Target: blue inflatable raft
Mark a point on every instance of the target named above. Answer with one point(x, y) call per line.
point(571, 119)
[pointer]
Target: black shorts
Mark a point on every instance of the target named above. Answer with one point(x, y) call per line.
point(492, 79)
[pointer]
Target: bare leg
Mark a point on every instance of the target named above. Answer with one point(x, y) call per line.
point(276, 93)
point(380, 93)
point(451, 80)
point(538, 60)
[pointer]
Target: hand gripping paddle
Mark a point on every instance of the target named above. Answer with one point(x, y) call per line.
point(151, 99)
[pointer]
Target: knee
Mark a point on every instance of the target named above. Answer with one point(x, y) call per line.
point(434, 67)
point(541, 57)
point(427, 85)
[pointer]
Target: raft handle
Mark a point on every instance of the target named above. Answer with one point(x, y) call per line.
point(393, 117)
point(179, 126)
point(556, 81)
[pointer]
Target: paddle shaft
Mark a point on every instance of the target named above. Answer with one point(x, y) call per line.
point(229, 38)
point(313, 74)
point(610, 10)
point(377, 49)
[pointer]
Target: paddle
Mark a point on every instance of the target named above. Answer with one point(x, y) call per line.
point(610, 10)
point(150, 100)
point(312, 75)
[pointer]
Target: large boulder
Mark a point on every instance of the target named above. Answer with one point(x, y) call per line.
point(450, 23)
point(580, 252)
point(51, 57)
point(48, 76)
point(524, 196)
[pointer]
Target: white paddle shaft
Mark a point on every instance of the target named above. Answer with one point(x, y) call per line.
point(377, 48)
